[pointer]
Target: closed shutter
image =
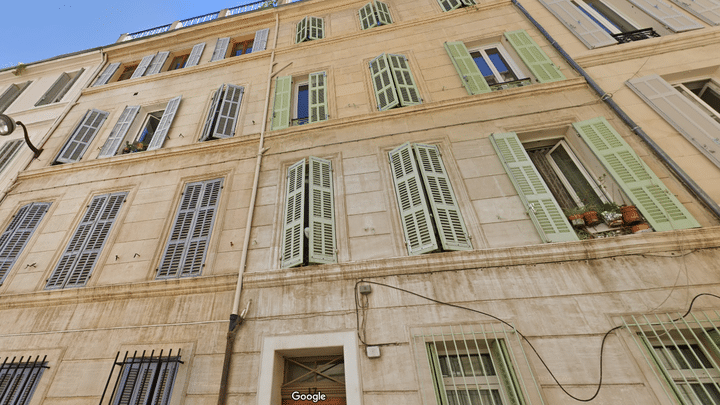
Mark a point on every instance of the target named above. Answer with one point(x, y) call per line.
point(404, 81)
point(691, 121)
point(212, 114)
point(469, 2)
point(157, 63)
point(12, 93)
point(448, 5)
point(414, 210)
point(587, 31)
point(659, 207)
point(321, 212)
point(382, 13)
point(506, 372)
point(54, 90)
point(706, 10)
point(540, 204)
point(195, 55)
point(17, 234)
point(143, 66)
point(82, 136)
point(448, 219)
point(158, 138)
point(470, 74)
point(228, 112)
point(81, 253)
point(316, 28)
point(318, 97)
point(146, 383)
point(8, 151)
point(281, 104)
point(301, 32)
point(119, 131)
point(107, 74)
point(260, 41)
point(667, 15)
point(383, 84)
point(367, 17)
point(535, 59)
point(293, 236)
point(17, 384)
point(221, 47)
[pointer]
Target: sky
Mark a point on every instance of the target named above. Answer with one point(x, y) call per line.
point(34, 30)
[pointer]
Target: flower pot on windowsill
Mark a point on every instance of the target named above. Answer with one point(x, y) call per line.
point(640, 228)
point(577, 220)
point(591, 218)
point(630, 215)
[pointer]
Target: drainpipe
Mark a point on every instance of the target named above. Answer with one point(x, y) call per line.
point(607, 98)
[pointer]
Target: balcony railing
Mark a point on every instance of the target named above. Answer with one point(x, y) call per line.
point(511, 84)
point(637, 35)
point(197, 20)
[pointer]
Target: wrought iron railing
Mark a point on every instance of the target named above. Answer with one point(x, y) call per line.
point(197, 20)
point(637, 35)
point(252, 7)
point(511, 84)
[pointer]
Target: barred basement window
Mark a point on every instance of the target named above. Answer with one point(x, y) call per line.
point(17, 234)
point(300, 100)
point(10, 94)
point(61, 86)
point(393, 82)
point(223, 114)
point(18, 379)
point(143, 380)
point(321, 374)
point(448, 5)
point(374, 14)
point(309, 29)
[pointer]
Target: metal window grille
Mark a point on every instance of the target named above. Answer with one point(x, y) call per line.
point(142, 380)
point(682, 351)
point(18, 379)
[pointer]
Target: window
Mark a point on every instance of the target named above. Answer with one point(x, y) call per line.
point(223, 114)
point(18, 232)
point(81, 137)
point(178, 62)
point(448, 5)
point(107, 74)
point(374, 14)
point(127, 72)
point(606, 16)
point(308, 235)
point(190, 235)
point(429, 211)
point(309, 29)
point(703, 93)
point(8, 151)
point(84, 248)
point(18, 379)
point(393, 82)
point(150, 65)
point(148, 379)
point(300, 100)
point(61, 86)
point(323, 375)
point(241, 45)
point(10, 94)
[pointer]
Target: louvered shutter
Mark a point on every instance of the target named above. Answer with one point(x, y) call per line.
point(321, 212)
point(316, 28)
point(667, 15)
point(68, 86)
point(119, 131)
point(220, 49)
point(470, 74)
point(658, 205)
point(383, 13)
point(383, 84)
point(404, 81)
point(506, 372)
point(414, 210)
point(212, 114)
point(691, 121)
point(260, 41)
point(18, 385)
point(157, 63)
point(469, 2)
point(443, 202)
point(163, 127)
point(8, 151)
point(12, 93)
point(540, 204)
point(449, 5)
point(146, 383)
point(535, 59)
point(706, 10)
point(107, 74)
point(228, 112)
point(54, 90)
point(436, 373)
point(293, 236)
point(143, 66)
point(17, 234)
point(587, 31)
point(301, 31)
point(281, 104)
point(367, 17)
point(82, 136)
point(195, 55)
point(318, 97)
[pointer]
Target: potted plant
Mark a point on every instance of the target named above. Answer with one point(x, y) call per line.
point(590, 215)
point(611, 215)
point(134, 147)
point(575, 216)
point(630, 215)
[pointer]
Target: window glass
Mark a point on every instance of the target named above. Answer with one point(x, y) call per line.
point(127, 72)
point(178, 62)
point(303, 107)
point(151, 124)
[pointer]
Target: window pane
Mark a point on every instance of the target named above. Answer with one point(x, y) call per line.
point(474, 397)
point(580, 185)
point(710, 97)
point(302, 104)
point(484, 67)
point(150, 127)
point(500, 65)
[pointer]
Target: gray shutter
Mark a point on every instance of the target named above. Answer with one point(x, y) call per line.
point(367, 17)
point(107, 74)
point(139, 378)
point(404, 81)
point(316, 28)
point(443, 202)
point(318, 97)
point(18, 384)
point(470, 74)
point(12, 93)
point(535, 59)
point(227, 114)
point(658, 205)
point(142, 67)
point(383, 84)
point(691, 121)
point(506, 372)
point(383, 13)
point(667, 15)
point(17, 234)
point(82, 136)
point(54, 90)
point(414, 210)
point(587, 31)
point(260, 41)
point(164, 125)
point(221, 47)
point(281, 104)
point(8, 151)
point(469, 2)
point(544, 211)
point(68, 86)
point(157, 63)
point(301, 31)
point(212, 112)
point(195, 54)
point(706, 10)
point(321, 212)
point(448, 5)
point(293, 236)
point(119, 131)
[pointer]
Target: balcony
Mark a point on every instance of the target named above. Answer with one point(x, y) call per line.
point(511, 84)
point(637, 35)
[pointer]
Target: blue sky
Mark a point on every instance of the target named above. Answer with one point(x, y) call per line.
point(37, 30)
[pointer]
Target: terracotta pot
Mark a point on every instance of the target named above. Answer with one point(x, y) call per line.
point(591, 218)
point(642, 227)
point(630, 215)
point(577, 220)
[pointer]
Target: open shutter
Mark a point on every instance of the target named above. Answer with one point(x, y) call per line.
point(506, 372)
point(17, 234)
point(318, 97)
point(382, 13)
point(54, 90)
point(301, 31)
point(82, 136)
point(260, 41)
point(367, 17)
point(667, 15)
point(706, 10)
point(281, 104)
point(540, 204)
point(470, 74)
point(119, 131)
point(8, 151)
point(68, 86)
point(12, 93)
point(414, 210)
point(587, 30)
point(404, 81)
point(228, 112)
point(383, 84)
point(157, 63)
point(321, 212)
point(143, 66)
point(316, 28)
point(691, 121)
point(221, 47)
point(448, 219)
point(449, 5)
point(195, 55)
point(293, 236)
point(436, 374)
point(535, 59)
point(212, 113)
point(107, 74)
point(164, 125)
point(659, 207)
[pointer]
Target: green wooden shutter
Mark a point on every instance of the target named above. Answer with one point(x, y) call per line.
point(195, 55)
point(659, 207)
point(142, 67)
point(404, 81)
point(157, 63)
point(539, 203)
point(212, 113)
point(321, 212)
point(448, 5)
point(470, 74)
point(227, 112)
point(107, 74)
point(8, 151)
point(119, 131)
point(220, 51)
point(383, 83)
point(17, 234)
point(81, 137)
point(163, 127)
point(382, 12)
point(436, 374)
point(535, 59)
point(281, 105)
point(506, 372)
point(367, 17)
point(318, 97)
point(301, 31)
point(414, 210)
point(448, 219)
point(293, 235)
point(316, 28)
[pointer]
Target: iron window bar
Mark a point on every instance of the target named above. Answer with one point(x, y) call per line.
point(637, 35)
point(136, 361)
point(511, 84)
point(23, 375)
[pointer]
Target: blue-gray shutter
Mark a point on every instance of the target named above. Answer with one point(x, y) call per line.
point(293, 236)
point(163, 127)
point(587, 30)
point(321, 212)
point(212, 113)
point(8, 151)
point(225, 118)
point(119, 131)
point(195, 55)
point(221, 47)
point(17, 234)
point(12, 93)
point(138, 378)
point(107, 74)
point(260, 42)
point(706, 10)
point(17, 384)
point(142, 67)
point(82, 136)
point(667, 15)
point(157, 63)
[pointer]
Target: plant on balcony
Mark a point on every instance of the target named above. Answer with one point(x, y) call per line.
point(134, 147)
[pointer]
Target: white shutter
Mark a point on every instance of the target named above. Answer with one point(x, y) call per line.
point(8, 151)
point(448, 5)
point(293, 236)
point(212, 113)
point(221, 47)
point(195, 54)
point(107, 74)
point(321, 212)
point(587, 31)
point(68, 86)
point(157, 63)
point(667, 15)
point(82, 136)
point(164, 126)
point(17, 234)
point(227, 113)
point(119, 131)
point(142, 67)
point(54, 90)
point(260, 42)
point(706, 10)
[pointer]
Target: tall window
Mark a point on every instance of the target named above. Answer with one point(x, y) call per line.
point(309, 29)
point(300, 100)
point(223, 114)
point(703, 93)
point(61, 86)
point(393, 82)
point(19, 378)
point(17, 234)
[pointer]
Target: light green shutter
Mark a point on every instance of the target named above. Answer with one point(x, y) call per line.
point(448, 5)
point(316, 28)
point(404, 81)
point(535, 59)
point(506, 372)
point(294, 221)
point(318, 97)
point(301, 33)
point(540, 204)
point(367, 17)
point(414, 210)
point(436, 373)
point(470, 74)
point(659, 207)
point(382, 13)
point(383, 83)
point(450, 225)
point(281, 106)
point(321, 212)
